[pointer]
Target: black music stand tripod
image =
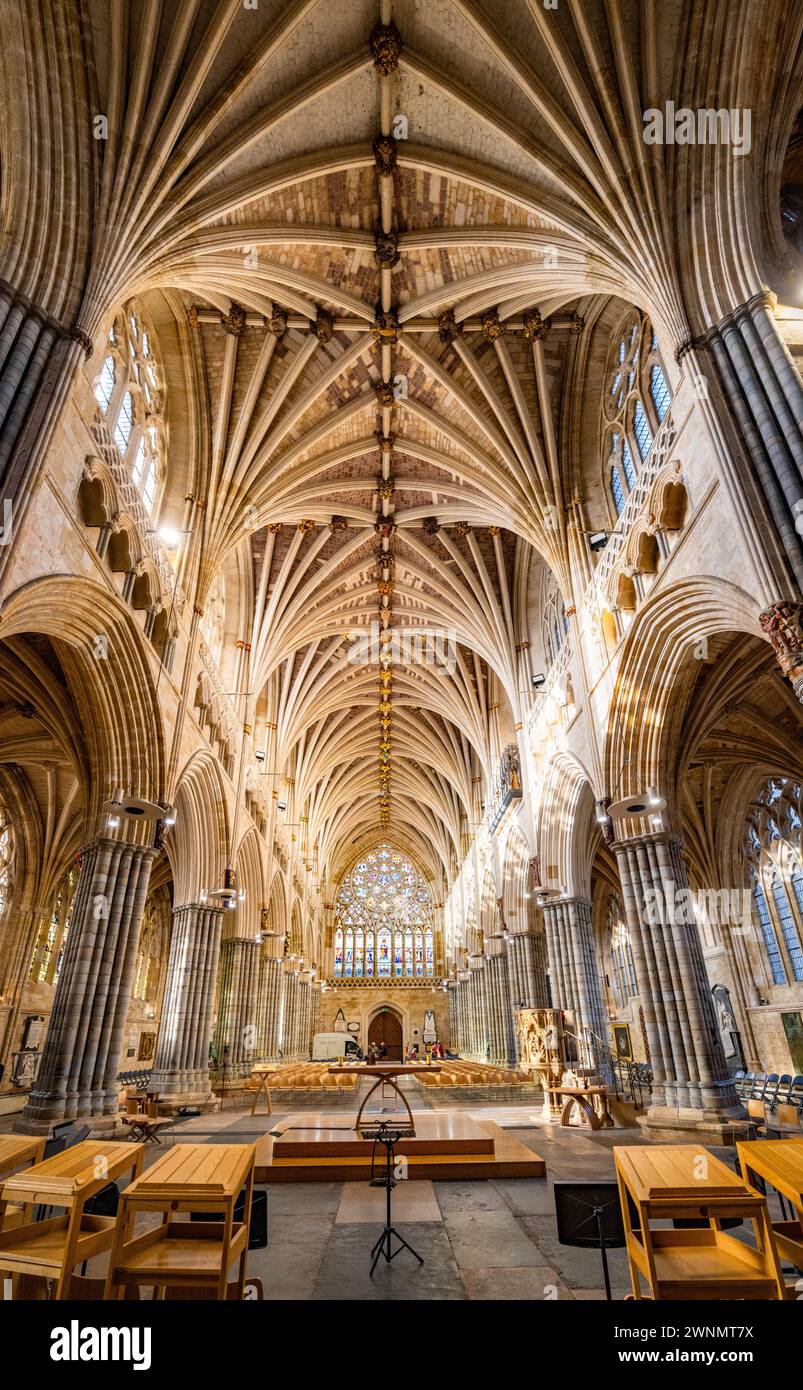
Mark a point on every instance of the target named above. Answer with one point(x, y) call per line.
point(387, 1137)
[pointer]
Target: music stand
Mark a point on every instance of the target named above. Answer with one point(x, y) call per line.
point(382, 1133)
point(589, 1215)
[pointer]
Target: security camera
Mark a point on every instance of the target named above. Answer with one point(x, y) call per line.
point(538, 680)
point(259, 754)
point(597, 540)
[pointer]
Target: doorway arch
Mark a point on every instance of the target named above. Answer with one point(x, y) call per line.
point(386, 1027)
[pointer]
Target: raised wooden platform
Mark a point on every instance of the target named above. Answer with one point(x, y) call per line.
point(325, 1148)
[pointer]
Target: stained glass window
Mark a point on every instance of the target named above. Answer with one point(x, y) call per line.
point(384, 919)
point(51, 941)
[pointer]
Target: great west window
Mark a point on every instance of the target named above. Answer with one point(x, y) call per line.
point(384, 925)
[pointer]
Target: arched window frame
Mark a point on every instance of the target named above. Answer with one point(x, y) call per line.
point(623, 970)
point(138, 379)
point(384, 900)
point(7, 856)
point(51, 941)
point(635, 402)
point(554, 626)
point(773, 851)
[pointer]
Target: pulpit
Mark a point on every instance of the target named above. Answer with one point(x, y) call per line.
point(542, 1052)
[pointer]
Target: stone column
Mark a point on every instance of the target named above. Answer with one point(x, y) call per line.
point(181, 1065)
point(274, 980)
point(762, 387)
point(587, 983)
point(84, 1041)
point(691, 1083)
point(563, 996)
point(237, 988)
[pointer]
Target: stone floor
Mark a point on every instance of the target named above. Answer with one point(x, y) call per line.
point(480, 1240)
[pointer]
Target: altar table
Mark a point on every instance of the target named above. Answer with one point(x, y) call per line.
point(385, 1072)
point(584, 1097)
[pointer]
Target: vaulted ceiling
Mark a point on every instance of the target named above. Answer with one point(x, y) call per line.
point(388, 236)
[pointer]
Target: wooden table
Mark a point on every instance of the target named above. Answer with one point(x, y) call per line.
point(195, 1255)
point(780, 1163)
point(17, 1150)
point(669, 1181)
point(145, 1128)
point(385, 1073)
point(50, 1250)
point(584, 1097)
point(263, 1089)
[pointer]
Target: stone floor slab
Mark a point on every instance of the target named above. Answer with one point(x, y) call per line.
point(469, 1196)
point(345, 1273)
point(411, 1201)
point(491, 1239)
point(536, 1283)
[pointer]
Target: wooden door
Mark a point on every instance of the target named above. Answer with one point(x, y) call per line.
point(386, 1028)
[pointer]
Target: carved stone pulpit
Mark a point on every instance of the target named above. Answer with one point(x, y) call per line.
point(541, 1047)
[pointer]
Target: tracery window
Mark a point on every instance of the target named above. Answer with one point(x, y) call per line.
point(151, 954)
point(6, 860)
point(214, 619)
point(51, 942)
point(635, 403)
point(104, 386)
point(773, 851)
point(623, 970)
point(383, 925)
point(554, 626)
point(130, 392)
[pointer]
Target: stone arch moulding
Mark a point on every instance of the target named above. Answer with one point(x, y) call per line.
point(198, 842)
point(381, 1006)
point(567, 828)
point(655, 675)
point(101, 651)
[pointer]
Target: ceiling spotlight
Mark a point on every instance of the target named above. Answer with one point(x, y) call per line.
point(228, 893)
point(638, 805)
point(538, 680)
point(133, 807)
point(597, 540)
point(113, 822)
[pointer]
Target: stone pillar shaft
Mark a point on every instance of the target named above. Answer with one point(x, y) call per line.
point(237, 986)
point(84, 1040)
point(181, 1065)
point(689, 1071)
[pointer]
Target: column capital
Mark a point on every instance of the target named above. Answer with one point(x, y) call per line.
point(650, 837)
